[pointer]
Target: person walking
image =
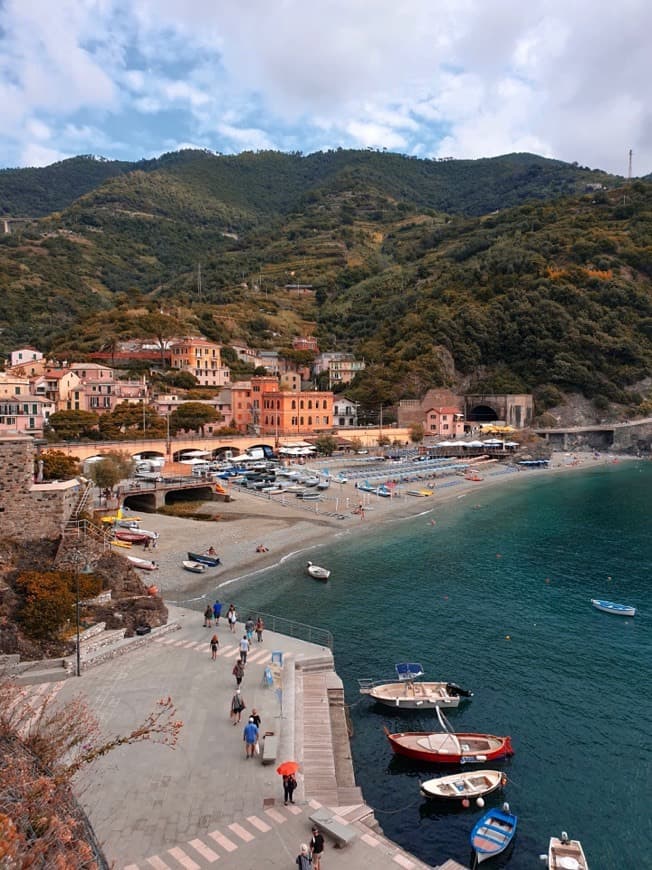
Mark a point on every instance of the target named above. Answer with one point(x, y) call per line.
point(256, 717)
point(214, 645)
point(249, 628)
point(316, 847)
point(244, 649)
point(303, 861)
point(238, 672)
point(289, 785)
point(232, 618)
point(217, 611)
point(208, 616)
point(260, 625)
point(237, 706)
point(250, 737)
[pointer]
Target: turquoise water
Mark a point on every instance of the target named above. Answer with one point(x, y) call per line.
point(496, 596)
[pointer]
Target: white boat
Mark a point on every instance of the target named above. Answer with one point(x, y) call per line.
point(612, 607)
point(411, 694)
point(566, 854)
point(145, 564)
point(458, 786)
point(194, 567)
point(316, 572)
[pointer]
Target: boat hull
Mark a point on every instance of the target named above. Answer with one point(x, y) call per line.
point(562, 852)
point(444, 748)
point(211, 561)
point(463, 786)
point(492, 834)
point(613, 607)
point(194, 567)
point(406, 695)
point(317, 572)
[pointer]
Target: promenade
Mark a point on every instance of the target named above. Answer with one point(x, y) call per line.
point(203, 804)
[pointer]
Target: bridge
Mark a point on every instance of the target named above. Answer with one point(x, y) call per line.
point(148, 495)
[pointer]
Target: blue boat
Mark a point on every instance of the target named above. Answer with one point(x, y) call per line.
point(612, 607)
point(493, 833)
point(204, 559)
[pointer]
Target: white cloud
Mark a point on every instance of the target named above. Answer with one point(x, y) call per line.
point(35, 154)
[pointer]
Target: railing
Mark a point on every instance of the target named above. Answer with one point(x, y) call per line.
point(300, 630)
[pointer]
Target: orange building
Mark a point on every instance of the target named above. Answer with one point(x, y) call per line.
point(285, 412)
point(202, 359)
point(247, 401)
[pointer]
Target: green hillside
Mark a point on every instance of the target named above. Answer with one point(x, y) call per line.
point(469, 273)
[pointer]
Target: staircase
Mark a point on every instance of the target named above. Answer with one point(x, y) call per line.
point(82, 501)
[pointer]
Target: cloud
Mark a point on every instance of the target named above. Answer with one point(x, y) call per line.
point(444, 77)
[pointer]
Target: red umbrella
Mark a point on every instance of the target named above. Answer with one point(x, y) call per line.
point(287, 768)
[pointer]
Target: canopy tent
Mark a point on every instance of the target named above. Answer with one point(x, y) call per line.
point(473, 444)
point(191, 454)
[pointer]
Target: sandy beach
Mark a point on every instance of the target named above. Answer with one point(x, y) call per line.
point(285, 525)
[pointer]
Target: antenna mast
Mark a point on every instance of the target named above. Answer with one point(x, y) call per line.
point(629, 168)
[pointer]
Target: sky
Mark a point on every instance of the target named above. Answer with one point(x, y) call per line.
point(132, 79)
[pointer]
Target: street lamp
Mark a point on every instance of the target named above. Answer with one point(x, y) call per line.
point(76, 558)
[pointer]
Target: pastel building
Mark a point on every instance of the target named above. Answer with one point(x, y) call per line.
point(202, 358)
point(286, 412)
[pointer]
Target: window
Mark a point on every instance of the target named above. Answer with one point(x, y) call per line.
point(309, 404)
point(294, 404)
point(310, 421)
point(324, 405)
point(325, 421)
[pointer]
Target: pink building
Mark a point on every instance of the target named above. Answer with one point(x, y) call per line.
point(447, 422)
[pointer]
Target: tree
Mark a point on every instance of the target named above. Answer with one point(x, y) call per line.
point(417, 433)
point(57, 465)
point(128, 418)
point(160, 327)
point(42, 747)
point(182, 380)
point(49, 599)
point(111, 469)
point(72, 425)
point(326, 444)
point(192, 416)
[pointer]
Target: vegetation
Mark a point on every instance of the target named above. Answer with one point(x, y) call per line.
point(109, 471)
point(326, 444)
point(57, 465)
point(48, 600)
point(192, 417)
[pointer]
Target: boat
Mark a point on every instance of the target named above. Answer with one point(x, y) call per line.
point(459, 786)
point(411, 694)
point(316, 572)
point(493, 833)
point(420, 493)
point(308, 495)
point(145, 564)
point(323, 484)
point(383, 491)
point(212, 561)
point(195, 567)
point(612, 607)
point(124, 545)
point(566, 854)
point(131, 537)
point(449, 747)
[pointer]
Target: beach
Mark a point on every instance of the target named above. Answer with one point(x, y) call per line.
point(286, 526)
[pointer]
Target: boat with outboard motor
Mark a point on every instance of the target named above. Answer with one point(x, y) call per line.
point(566, 854)
point(449, 747)
point(409, 693)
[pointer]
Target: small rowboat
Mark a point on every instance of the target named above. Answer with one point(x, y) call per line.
point(194, 567)
point(450, 748)
point(145, 564)
point(459, 786)
point(132, 537)
point(317, 572)
point(612, 607)
point(493, 833)
point(206, 558)
point(566, 854)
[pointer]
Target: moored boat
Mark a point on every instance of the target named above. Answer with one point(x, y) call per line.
point(444, 747)
point(194, 567)
point(317, 572)
point(613, 607)
point(459, 786)
point(144, 564)
point(131, 537)
point(206, 558)
point(411, 694)
point(493, 833)
point(566, 854)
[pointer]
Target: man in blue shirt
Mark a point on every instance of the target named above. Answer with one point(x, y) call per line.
point(217, 611)
point(250, 737)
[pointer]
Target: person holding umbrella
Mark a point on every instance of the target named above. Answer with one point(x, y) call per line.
point(287, 771)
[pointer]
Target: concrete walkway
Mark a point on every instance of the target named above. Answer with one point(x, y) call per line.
point(204, 803)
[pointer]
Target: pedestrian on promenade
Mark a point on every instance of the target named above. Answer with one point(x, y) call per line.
point(256, 717)
point(303, 858)
point(237, 706)
point(316, 847)
point(244, 649)
point(250, 737)
point(232, 618)
point(214, 645)
point(238, 672)
point(289, 785)
point(217, 612)
point(260, 625)
point(249, 628)
point(208, 616)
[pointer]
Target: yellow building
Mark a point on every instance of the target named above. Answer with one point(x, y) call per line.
point(202, 358)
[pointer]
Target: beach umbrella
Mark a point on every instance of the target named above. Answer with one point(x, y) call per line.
point(287, 767)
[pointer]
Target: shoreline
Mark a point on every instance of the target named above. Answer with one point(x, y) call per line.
point(237, 527)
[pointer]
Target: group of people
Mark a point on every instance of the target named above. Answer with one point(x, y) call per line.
point(309, 857)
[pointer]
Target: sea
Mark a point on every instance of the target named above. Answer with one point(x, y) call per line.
point(492, 590)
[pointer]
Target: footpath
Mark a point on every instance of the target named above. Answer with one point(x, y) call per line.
point(203, 803)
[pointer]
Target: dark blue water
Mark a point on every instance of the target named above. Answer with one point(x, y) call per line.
point(496, 596)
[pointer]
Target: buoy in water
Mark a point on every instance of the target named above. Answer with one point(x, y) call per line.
point(479, 802)
point(508, 637)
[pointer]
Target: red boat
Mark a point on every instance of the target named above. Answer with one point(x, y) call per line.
point(444, 747)
point(131, 537)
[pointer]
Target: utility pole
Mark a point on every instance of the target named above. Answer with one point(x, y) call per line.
point(629, 168)
point(199, 292)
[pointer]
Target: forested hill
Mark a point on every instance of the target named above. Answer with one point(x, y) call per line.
point(549, 294)
point(272, 182)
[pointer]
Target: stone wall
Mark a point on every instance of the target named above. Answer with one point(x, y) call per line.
point(30, 511)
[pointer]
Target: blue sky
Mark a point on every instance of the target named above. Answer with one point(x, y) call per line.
point(128, 79)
